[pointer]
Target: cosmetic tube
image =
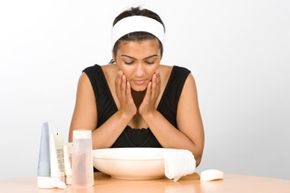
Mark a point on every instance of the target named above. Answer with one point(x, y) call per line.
point(56, 156)
point(44, 179)
point(43, 170)
point(67, 153)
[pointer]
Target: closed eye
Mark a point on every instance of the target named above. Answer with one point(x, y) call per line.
point(150, 62)
point(128, 62)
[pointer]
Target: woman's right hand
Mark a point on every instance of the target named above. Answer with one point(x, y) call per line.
point(123, 91)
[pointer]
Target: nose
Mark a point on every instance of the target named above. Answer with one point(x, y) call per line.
point(140, 70)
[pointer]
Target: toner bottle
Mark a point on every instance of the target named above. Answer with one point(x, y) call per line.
point(82, 160)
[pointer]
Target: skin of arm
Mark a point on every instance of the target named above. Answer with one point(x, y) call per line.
point(85, 113)
point(190, 133)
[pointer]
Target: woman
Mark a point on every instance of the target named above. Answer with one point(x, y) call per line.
point(135, 101)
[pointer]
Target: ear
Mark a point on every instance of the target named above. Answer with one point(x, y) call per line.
point(113, 58)
point(112, 61)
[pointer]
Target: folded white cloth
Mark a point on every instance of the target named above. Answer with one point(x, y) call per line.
point(178, 163)
point(50, 182)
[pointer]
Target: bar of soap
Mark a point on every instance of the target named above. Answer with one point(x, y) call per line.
point(211, 174)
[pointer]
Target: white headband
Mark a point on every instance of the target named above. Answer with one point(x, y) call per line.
point(137, 24)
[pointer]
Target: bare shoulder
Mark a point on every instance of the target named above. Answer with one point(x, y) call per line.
point(165, 71)
point(109, 68)
point(165, 68)
point(189, 96)
point(84, 82)
point(189, 88)
point(190, 81)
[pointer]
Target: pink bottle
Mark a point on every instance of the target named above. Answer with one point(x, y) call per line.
point(82, 160)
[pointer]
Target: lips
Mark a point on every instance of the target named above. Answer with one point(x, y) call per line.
point(139, 82)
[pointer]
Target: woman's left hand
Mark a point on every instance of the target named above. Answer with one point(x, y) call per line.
point(153, 89)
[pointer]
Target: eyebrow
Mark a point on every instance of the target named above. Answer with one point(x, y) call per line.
point(154, 55)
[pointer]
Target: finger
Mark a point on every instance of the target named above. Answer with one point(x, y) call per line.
point(128, 90)
point(158, 77)
point(153, 85)
point(118, 83)
point(148, 92)
point(123, 87)
point(157, 72)
point(158, 84)
point(129, 95)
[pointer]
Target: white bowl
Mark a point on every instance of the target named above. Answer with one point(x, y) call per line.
point(130, 163)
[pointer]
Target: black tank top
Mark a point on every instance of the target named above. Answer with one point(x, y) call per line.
point(106, 107)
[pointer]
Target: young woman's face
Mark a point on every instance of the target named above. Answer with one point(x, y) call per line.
point(138, 60)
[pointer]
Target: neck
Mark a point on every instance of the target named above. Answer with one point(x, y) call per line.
point(138, 97)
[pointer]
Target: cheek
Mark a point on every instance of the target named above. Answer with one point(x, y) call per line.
point(152, 71)
point(126, 70)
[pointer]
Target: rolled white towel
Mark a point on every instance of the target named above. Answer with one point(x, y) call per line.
point(178, 163)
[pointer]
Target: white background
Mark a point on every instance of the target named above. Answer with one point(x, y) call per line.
point(238, 52)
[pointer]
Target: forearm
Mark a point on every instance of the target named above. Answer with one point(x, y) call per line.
point(105, 135)
point(169, 136)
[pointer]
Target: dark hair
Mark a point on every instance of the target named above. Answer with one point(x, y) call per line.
point(137, 36)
